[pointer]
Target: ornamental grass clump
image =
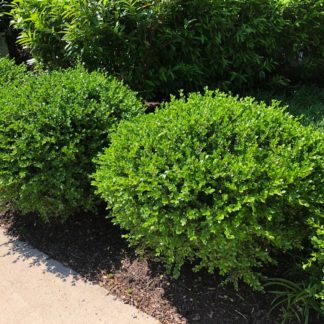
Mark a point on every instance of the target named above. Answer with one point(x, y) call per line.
point(51, 127)
point(221, 182)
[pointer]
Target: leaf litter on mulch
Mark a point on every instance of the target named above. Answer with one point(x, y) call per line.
point(93, 247)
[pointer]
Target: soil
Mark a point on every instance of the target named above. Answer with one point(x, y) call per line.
point(93, 247)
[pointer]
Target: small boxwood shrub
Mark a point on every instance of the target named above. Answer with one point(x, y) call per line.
point(225, 183)
point(51, 127)
point(10, 72)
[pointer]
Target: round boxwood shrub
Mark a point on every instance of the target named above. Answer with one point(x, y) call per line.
point(222, 182)
point(51, 127)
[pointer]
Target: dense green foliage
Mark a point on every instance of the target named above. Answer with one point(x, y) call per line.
point(158, 47)
point(10, 72)
point(51, 127)
point(41, 24)
point(171, 45)
point(221, 182)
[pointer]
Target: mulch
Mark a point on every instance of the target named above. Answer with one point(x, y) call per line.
point(93, 247)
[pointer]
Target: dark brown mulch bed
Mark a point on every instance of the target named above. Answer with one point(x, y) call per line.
point(93, 247)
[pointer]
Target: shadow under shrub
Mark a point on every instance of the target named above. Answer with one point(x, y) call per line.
point(51, 127)
point(224, 183)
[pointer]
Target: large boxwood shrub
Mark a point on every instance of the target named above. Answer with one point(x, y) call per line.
point(222, 182)
point(51, 127)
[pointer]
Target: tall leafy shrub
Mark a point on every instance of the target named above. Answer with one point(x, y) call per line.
point(226, 44)
point(41, 24)
point(161, 46)
point(158, 46)
point(51, 127)
point(221, 182)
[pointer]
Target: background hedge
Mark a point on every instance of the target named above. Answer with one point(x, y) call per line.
point(158, 47)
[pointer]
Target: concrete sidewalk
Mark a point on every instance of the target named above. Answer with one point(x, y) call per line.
point(35, 289)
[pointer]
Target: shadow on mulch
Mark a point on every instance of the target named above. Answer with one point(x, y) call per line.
point(93, 247)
